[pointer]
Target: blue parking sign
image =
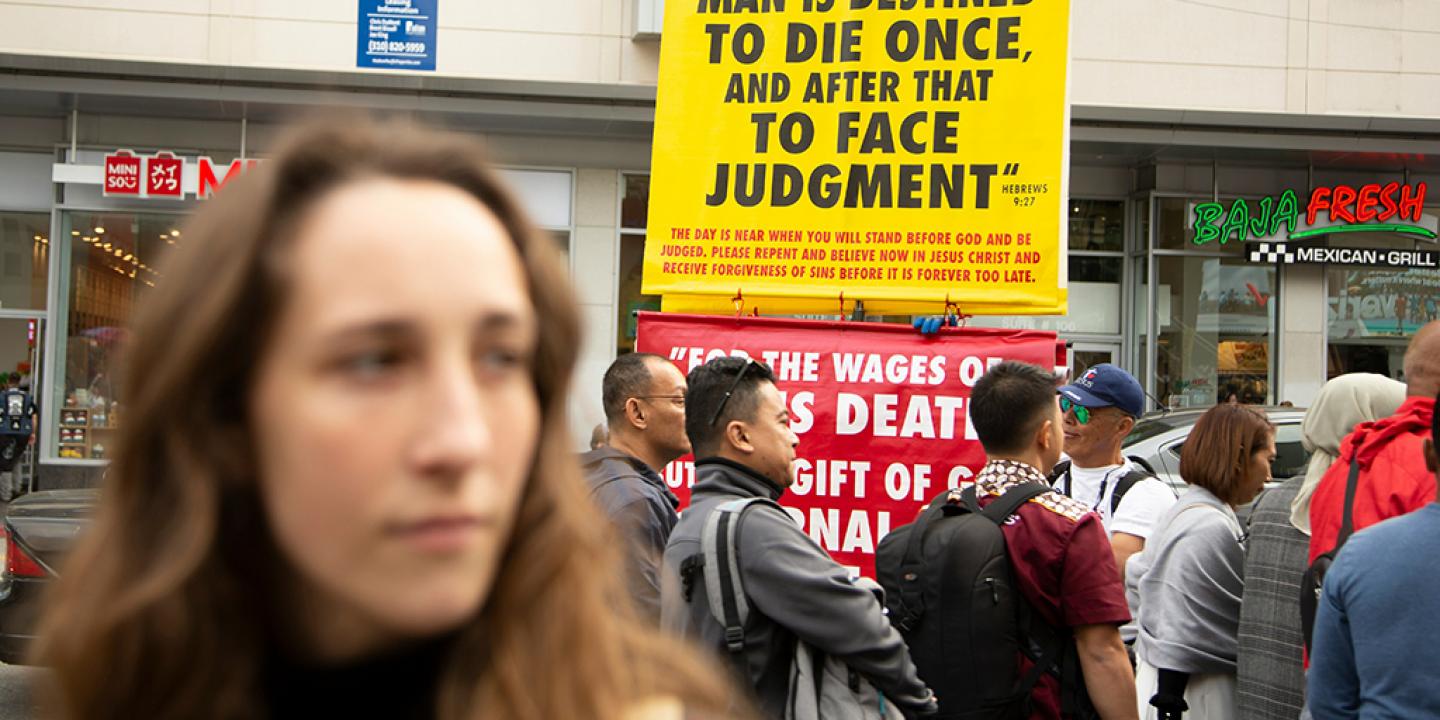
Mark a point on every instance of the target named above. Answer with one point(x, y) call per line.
point(396, 34)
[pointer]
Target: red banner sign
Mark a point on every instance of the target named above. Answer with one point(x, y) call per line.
point(881, 412)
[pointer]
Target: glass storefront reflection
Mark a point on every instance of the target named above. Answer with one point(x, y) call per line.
point(1216, 319)
point(112, 259)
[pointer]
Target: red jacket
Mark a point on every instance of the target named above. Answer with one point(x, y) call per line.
point(1393, 479)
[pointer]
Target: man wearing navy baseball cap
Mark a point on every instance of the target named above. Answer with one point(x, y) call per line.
point(1101, 407)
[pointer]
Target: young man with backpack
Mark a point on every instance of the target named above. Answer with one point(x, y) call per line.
point(1101, 407)
point(1007, 591)
point(741, 577)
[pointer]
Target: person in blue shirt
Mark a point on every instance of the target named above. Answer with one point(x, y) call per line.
point(1375, 654)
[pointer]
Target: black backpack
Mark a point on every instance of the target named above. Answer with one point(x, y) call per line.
point(1313, 581)
point(1142, 471)
point(951, 593)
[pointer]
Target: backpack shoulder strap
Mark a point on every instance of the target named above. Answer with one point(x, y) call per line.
point(1127, 481)
point(1347, 523)
point(723, 587)
point(1000, 510)
point(1060, 472)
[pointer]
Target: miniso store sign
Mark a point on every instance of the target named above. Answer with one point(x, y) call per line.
point(161, 176)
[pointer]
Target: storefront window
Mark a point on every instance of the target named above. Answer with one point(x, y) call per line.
point(1097, 225)
point(1175, 220)
point(1096, 266)
point(633, 209)
point(111, 265)
point(24, 260)
point(1373, 312)
point(1216, 317)
point(1094, 299)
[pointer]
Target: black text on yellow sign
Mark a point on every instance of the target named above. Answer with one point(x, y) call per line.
point(904, 152)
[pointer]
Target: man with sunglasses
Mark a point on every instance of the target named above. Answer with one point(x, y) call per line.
point(644, 400)
point(739, 425)
point(1101, 407)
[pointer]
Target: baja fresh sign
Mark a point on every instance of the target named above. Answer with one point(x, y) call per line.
point(1393, 207)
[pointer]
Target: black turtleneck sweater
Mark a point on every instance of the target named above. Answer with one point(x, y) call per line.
point(398, 685)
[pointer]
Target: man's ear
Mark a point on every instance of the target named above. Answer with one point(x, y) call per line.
point(1045, 434)
point(1432, 456)
point(635, 413)
point(738, 437)
point(1126, 424)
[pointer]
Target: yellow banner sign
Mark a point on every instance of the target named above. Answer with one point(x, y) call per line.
point(907, 153)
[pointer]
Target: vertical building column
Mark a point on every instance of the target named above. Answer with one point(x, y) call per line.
point(1302, 322)
point(593, 257)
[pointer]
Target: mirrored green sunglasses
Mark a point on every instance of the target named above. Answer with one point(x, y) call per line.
point(1082, 413)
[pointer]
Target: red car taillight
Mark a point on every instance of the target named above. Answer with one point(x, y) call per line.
point(18, 563)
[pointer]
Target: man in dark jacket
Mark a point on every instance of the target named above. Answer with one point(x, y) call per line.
point(644, 399)
point(740, 428)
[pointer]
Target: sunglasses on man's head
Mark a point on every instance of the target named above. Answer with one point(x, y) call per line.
point(1082, 413)
point(738, 376)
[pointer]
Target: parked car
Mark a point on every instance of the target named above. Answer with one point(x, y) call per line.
point(1159, 436)
point(38, 531)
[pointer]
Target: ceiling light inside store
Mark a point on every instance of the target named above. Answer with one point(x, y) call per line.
point(119, 252)
point(75, 233)
point(106, 245)
point(37, 238)
point(174, 233)
point(129, 257)
point(99, 231)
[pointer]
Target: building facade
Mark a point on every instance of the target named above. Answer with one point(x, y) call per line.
point(1176, 104)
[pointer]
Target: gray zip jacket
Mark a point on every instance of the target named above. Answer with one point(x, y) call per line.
point(795, 591)
point(1187, 584)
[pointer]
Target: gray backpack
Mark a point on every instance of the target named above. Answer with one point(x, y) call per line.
point(821, 687)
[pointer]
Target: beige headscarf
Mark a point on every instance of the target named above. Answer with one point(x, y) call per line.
point(1343, 403)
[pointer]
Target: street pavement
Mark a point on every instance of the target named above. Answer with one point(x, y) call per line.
point(16, 699)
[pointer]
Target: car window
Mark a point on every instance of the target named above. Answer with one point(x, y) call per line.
point(1146, 429)
point(1291, 457)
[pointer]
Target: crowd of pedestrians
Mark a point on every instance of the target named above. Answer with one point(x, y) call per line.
point(346, 489)
point(1106, 557)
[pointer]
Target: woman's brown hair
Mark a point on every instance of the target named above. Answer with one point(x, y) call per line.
point(1217, 453)
point(164, 608)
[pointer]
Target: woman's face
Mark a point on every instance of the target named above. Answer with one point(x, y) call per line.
point(1257, 471)
point(395, 414)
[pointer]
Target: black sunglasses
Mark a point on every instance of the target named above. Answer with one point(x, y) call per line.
point(721, 408)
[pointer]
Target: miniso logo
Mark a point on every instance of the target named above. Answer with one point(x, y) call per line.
point(1272, 253)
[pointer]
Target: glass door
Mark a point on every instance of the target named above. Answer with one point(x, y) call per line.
point(20, 343)
point(1084, 356)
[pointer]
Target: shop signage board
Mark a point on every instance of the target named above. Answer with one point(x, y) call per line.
point(164, 175)
point(907, 153)
point(1392, 207)
point(396, 34)
point(881, 412)
point(1287, 254)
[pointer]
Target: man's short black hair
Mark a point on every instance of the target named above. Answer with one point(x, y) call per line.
point(629, 376)
point(1009, 403)
point(708, 385)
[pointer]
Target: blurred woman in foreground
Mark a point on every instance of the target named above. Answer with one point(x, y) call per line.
point(344, 485)
point(1188, 582)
